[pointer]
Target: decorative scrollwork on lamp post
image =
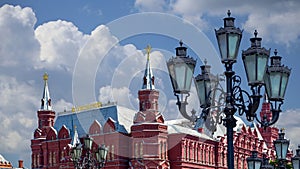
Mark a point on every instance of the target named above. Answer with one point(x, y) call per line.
point(88, 160)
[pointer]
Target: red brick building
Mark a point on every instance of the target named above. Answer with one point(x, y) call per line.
point(141, 139)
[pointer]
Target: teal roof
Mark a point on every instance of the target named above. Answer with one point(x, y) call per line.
point(122, 117)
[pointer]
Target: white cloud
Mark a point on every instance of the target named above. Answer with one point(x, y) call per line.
point(151, 5)
point(289, 120)
point(62, 105)
point(277, 27)
point(17, 114)
point(18, 44)
point(61, 42)
point(122, 96)
point(277, 21)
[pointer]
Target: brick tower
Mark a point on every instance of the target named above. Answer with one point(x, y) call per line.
point(45, 123)
point(149, 133)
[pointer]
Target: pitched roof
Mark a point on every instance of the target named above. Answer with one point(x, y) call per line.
point(123, 118)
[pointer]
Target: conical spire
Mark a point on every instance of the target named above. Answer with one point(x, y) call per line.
point(46, 100)
point(75, 139)
point(148, 80)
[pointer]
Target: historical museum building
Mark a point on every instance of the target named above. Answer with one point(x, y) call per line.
point(143, 138)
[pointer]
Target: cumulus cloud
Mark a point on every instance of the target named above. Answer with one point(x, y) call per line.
point(122, 96)
point(151, 5)
point(61, 42)
point(18, 44)
point(269, 17)
point(289, 120)
point(17, 113)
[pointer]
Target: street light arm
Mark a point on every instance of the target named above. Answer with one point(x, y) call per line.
point(181, 103)
point(275, 115)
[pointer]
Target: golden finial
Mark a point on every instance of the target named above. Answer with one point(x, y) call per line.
point(282, 130)
point(148, 50)
point(75, 127)
point(45, 76)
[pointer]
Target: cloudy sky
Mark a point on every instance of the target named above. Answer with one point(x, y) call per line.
point(94, 51)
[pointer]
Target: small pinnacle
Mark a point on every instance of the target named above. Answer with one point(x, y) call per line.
point(275, 52)
point(45, 76)
point(205, 61)
point(282, 130)
point(228, 13)
point(180, 43)
point(255, 33)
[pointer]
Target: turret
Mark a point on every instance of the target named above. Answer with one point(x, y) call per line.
point(45, 114)
point(148, 97)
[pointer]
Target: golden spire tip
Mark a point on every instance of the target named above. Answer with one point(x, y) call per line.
point(148, 50)
point(45, 76)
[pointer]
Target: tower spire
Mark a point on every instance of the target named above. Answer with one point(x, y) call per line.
point(148, 80)
point(46, 100)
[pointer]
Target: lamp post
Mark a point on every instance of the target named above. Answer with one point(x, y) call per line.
point(281, 147)
point(296, 159)
point(234, 98)
point(88, 161)
point(253, 161)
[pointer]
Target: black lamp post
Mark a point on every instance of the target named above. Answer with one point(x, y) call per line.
point(253, 161)
point(274, 78)
point(281, 147)
point(88, 160)
point(296, 159)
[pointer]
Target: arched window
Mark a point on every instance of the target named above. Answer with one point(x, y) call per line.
point(108, 153)
point(184, 152)
point(242, 163)
point(50, 159)
point(141, 150)
point(196, 154)
point(54, 158)
point(38, 160)
point(209, 156)
point(236, 162)
point(161, 149)
point(165, 150)
point(34, 161)
point(112, 152)
point(188, 152)
point(136, 150)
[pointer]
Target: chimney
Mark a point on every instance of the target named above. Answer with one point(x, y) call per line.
point(21, 164)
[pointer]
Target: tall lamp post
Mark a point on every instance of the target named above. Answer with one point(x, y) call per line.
point(296, 159)
point(259, 74)
point(281, 147)
point(88, 161)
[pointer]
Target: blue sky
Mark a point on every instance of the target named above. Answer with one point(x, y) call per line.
point(55, 37)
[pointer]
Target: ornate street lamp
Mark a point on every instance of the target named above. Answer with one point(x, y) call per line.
point(276, 80)
point(229, 38)
point(205, 83)
point(253, 161)
point(88, 161)
point(281, 147)
point(181, 70)
point(101, 154)
point(274, 77)
point(296, 159)
point(88, 141)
